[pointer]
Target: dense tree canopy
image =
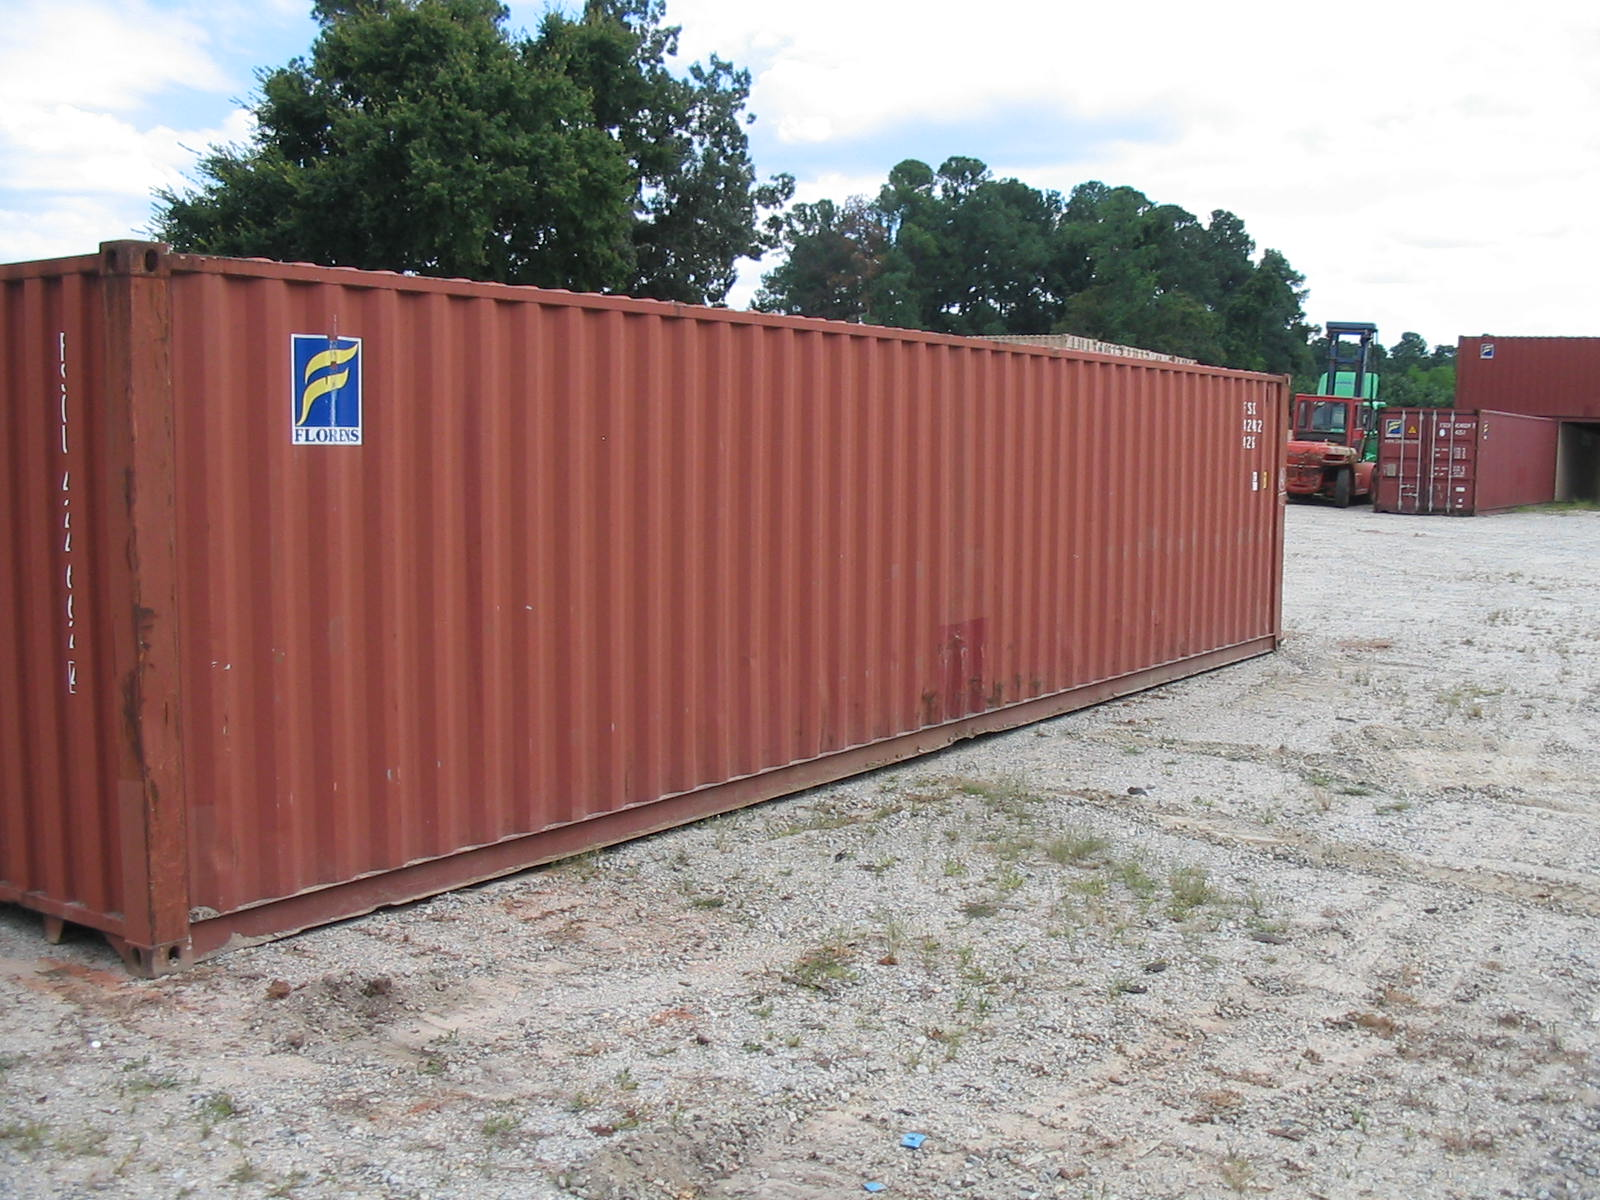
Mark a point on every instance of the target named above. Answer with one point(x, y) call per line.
point(958, 251)
point(421, 135)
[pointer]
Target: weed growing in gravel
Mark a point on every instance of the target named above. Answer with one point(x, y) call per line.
point(1006, 787)
point(245, 1172)
point(287, 1185)
point(430, 1062)
point(892, 934)
point(1466, 699)
point(1133, 876)
point(1238, 1172)
point(1091, 885)
point(823, 968)
point(979, 909)
point(1260, 920)
point(82, 1142)
point(1075, 847)
point(583, 867)
point(826, 816)
point(498, 1126)
point(954, 868)
point(1012, 849)
point(1007, 795)
point(139, 1082)
point(950, 1039)
point(975, 1001)
point(1190, 889)
point(966, 958)
point(725, 831)
point(218, 1106)
point(24, 1135)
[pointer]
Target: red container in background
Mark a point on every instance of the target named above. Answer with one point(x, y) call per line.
point(1448, 462)
point(332, 589)
point(1538, 376)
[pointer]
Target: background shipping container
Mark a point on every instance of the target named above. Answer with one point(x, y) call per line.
point(331, 589)
point(1447, 462)
point(1536, 376)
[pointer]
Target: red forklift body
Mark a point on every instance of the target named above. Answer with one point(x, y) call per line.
point(1326, 454)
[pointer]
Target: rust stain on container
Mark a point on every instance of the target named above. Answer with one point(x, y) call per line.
point(1536, 376)
point(377, 586)
point(1449, 462)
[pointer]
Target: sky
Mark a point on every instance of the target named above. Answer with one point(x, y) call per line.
point(1430, 167)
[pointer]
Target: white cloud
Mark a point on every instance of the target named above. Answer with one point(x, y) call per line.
point(82, 144)
point(73, 226)
point(60, 148)
point(98, 55)
point(1428, 168)
point(1406, 161)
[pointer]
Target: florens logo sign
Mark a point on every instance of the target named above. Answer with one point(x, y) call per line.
point(326, 390)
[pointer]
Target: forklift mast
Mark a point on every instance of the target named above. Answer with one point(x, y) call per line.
point(1350, 361)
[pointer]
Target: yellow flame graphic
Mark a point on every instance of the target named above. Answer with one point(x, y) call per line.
point(331, 357)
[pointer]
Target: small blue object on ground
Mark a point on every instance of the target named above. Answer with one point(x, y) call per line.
point(913, 1141)
point(873, 1187)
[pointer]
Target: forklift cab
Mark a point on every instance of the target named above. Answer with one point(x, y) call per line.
point(1338, 420)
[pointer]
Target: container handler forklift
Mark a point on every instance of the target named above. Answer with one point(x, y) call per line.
point(1333, 443)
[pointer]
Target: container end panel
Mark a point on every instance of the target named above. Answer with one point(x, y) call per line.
point(62, 576)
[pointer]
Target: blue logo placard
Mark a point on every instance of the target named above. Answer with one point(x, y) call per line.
point(325, 390)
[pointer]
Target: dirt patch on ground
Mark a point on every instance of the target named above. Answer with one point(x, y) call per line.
point(1320, 925)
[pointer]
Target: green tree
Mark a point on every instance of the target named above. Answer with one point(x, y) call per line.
point(420, 135)
point(953, 250)
point(1267, 324)
point(958, 251)
point(1410, 351)
point(835, 253)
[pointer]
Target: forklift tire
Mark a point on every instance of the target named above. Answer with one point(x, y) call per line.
point(1341, 489)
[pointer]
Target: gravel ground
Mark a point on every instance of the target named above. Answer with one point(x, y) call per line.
point(1318, 925)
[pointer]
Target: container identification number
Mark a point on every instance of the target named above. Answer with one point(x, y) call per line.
point(1253, 426)
point(66, 519)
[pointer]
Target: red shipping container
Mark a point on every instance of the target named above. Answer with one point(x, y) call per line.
point(332, 589)
point(1447, 462)
point(1538, 376)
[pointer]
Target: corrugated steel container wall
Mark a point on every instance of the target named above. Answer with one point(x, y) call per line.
point(1451, 463)
point(598, 567)
point(1537, 376)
